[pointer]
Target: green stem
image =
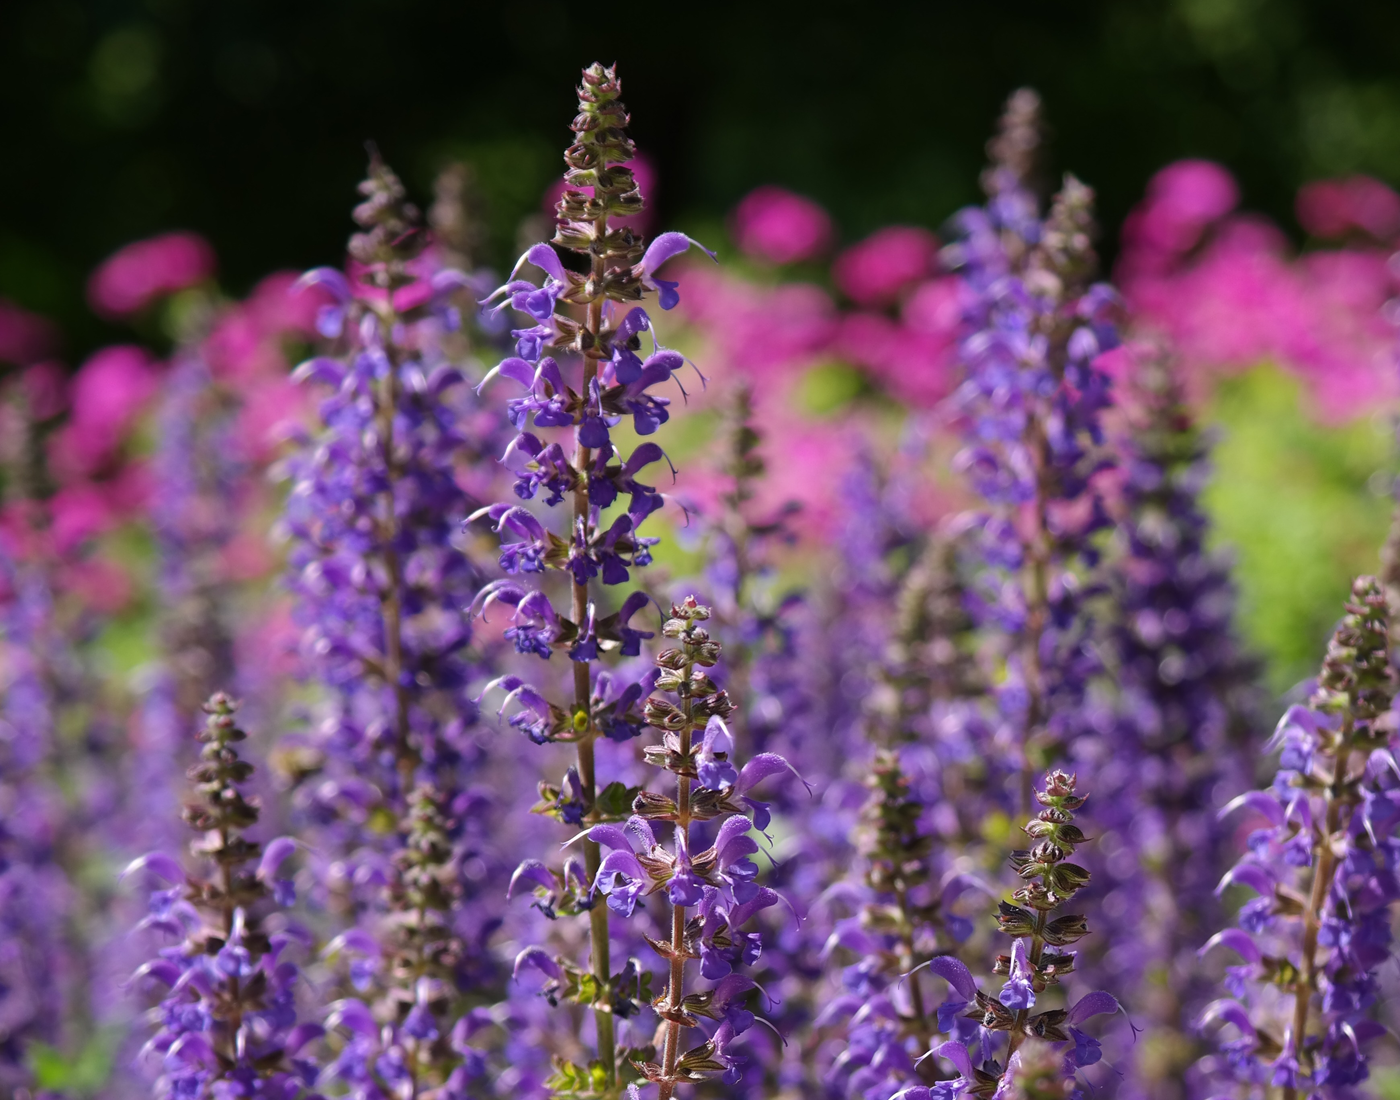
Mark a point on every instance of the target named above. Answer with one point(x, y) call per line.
point(676, 993)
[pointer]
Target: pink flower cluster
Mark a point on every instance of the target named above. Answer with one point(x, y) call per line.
point(136, 275)
point(1229, 292)
point(95, 456)
point(899, 330)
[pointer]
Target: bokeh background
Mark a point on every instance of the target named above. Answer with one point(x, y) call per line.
point(246, 123)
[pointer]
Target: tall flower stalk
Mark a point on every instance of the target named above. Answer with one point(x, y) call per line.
point(1324, 868)
point(1035, 964)
point(1182, 736)
point(598, 341)
point(1032, 399)
point(718, 882)
point(227, 1025)
point(374, 515)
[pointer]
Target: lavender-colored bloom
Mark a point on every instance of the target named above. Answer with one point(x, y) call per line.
point(198, 467)
point(1301, 1012)
point(374, 515)
point(1037, 962)
point(586, 375)
point(36, 898)
point(1032, 398)
point(1180, 746)
point(226, 1025)
point(402, 1039)
point(718, 882)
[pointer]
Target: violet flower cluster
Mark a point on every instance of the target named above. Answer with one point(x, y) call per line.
point(582, 372)
point(226, 1025)
point(718, 882)
point(1036, 963)
point(394, 784)
point(36, 896)
point(1182, 741)
point(1299, 1017)
point(1032, 399)
point(374, 515)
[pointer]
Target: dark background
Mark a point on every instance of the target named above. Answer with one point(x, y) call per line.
point(245, 121)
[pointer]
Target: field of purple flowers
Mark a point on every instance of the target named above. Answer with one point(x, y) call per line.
point(715, 666)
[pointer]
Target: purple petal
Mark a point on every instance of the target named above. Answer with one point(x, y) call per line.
point(955, 974)
point(665, 247)
point(274, 855)
point(1238, 941)
point(158, 863)
point(1261, 802)
point(300, 1035)
point(353, 1015)
point(328, 277)
point(331, 372)
point(532, 870)
point(611, 836)
point(1232, 1012)
point(545, 258)
point(540, 959)
point(1093, 1004)
point(761, 767)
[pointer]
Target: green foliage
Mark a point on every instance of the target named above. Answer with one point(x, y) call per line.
point(76, 1075)
point(1297, 504)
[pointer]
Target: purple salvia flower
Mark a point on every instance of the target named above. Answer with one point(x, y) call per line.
point(1032, 398)
point(36, 897)
point(584, 374)
point(194, 513)
point(718, 882)
point(1300, 1013)
point(227, 1023)
point(1037, 962)
point(378, 567)
point(1182, 736)
point(405, 1040)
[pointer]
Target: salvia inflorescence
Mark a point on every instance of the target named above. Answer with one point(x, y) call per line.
point(574, 778)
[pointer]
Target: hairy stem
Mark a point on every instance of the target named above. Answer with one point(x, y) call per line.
point(676, 993)
point(600, 948)
point(405, 756)
point(1036, 587)
point(1324, 864)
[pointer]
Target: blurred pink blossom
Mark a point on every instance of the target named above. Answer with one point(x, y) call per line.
point(45, 388)
point(875, 271)
point(1182, 200)
point(133, 277)
point(764, 335)
point(1228, 292)
point(780, 227)
point(78, 512)
point(99, 583)
point(1336, 208)
point(24, 336)
point(107, 394)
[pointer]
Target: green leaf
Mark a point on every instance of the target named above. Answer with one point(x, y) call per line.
point(614, 802)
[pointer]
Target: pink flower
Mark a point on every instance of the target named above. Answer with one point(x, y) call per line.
point(1335, 208)
point(107, 394)
point(780, 227)
point(1182, 200)
point(138, 274)
point(45, 388)
point(1229, 294)
point(24, 336)
point(98, 583)
point(79, 512)
point(875, 271)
